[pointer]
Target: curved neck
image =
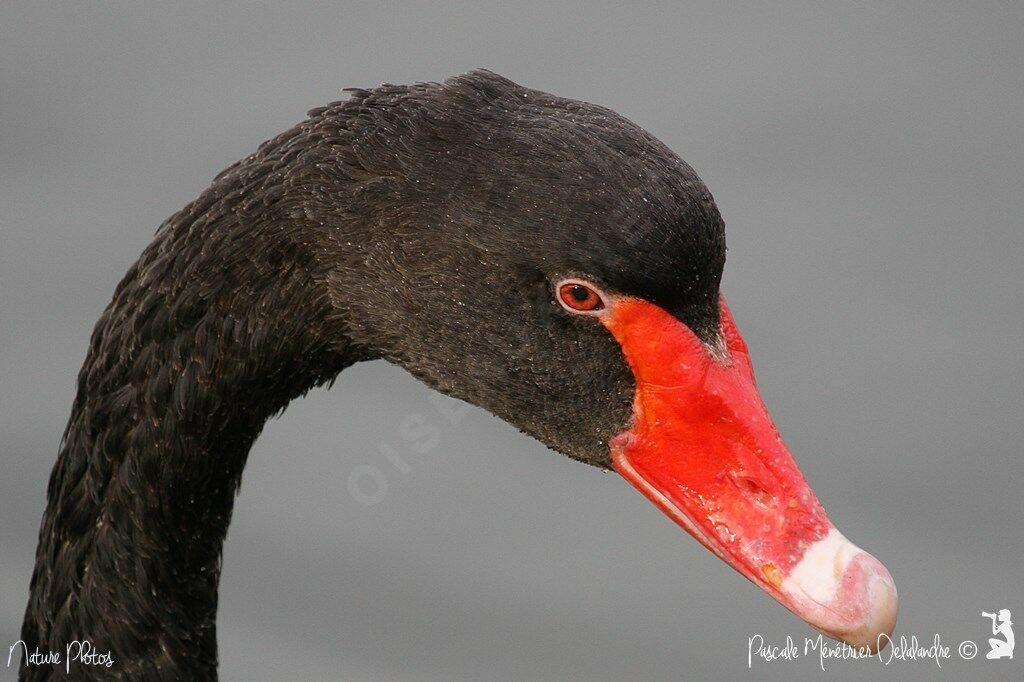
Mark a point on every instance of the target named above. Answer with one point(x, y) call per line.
point(218, 326)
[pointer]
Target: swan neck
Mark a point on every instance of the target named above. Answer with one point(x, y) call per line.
point(217, 327)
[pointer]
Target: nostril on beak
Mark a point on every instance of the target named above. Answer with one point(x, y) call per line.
point(752, 489)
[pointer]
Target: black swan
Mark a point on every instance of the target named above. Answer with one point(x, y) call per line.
point(541, 257)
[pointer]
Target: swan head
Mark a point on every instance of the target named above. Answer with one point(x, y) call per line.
point(554, 263)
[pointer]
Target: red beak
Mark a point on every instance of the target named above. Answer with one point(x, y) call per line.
point(703, 448)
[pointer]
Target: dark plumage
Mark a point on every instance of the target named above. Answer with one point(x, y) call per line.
point(421, 224)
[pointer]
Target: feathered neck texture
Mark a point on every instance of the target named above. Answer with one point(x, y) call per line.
point(218, 325)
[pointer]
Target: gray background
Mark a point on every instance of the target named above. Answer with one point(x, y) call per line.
point(868, 163)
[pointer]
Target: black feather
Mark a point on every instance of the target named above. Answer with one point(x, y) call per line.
point(424, 224)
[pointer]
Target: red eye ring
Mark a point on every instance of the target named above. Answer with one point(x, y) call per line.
point(578, 297)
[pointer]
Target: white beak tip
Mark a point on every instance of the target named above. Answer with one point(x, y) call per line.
point(844, 592)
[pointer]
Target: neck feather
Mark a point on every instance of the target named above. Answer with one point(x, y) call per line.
point(217, 327)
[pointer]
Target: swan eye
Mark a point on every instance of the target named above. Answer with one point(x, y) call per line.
point(578, 297)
